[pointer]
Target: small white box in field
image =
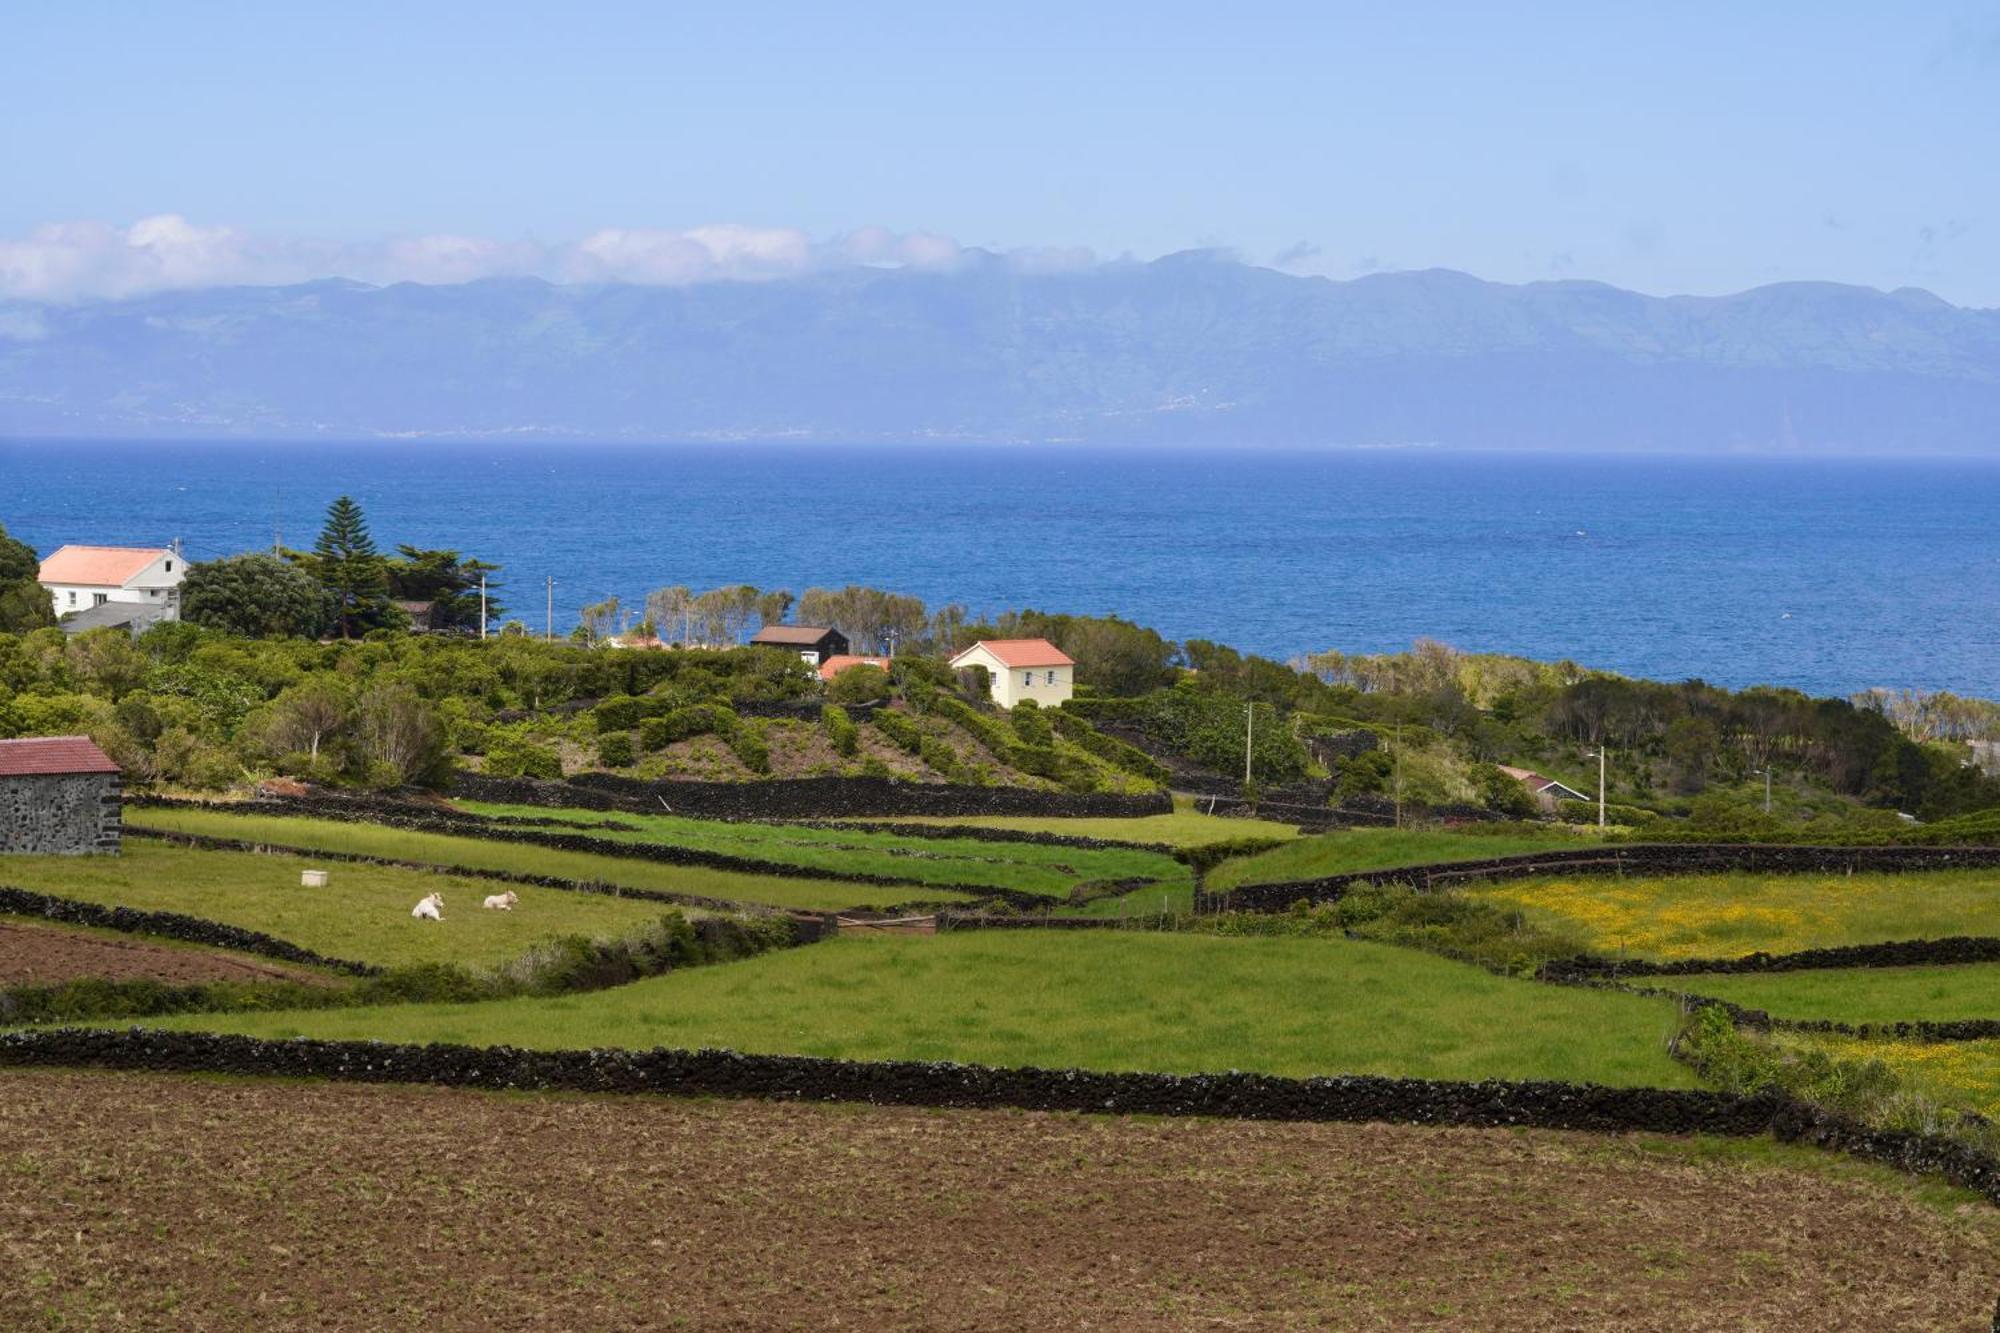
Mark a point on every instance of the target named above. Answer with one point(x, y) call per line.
point(312, 879)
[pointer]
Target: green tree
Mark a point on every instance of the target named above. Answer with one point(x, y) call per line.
point(447, 580)
point(24, 603)
point(352, 571)
point(256, 596)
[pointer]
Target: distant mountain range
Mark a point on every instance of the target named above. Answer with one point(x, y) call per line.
point(1189, 349)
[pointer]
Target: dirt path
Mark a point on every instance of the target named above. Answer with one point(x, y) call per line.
point(153, 1202)
point(32, 954)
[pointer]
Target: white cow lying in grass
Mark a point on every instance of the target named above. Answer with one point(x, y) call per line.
point(429, 909)
point(502, 902)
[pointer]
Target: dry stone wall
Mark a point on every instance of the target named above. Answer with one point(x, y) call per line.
point(60, 814)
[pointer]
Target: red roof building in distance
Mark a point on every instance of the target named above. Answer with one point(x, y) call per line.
point(1026, 652)
point(1022, 669)
point(99, 566)
point(52, 756)
point(839, 662)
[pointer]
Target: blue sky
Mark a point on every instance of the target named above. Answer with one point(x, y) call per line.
point(1682, 148)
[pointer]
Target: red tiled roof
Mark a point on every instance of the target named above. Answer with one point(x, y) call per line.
point(839, 662)
point(42, 755)
point(803, 636)
point(1023, 653)
point(98, 566)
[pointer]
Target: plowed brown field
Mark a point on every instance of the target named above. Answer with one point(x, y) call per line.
point(152, 1202)
point(38, 955)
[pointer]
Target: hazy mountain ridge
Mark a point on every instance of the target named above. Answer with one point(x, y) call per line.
point(1187, 349)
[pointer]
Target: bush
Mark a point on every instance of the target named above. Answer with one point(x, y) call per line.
point(1585, 812)
point(859, 685)
point(1113, 751)
point(902, 731)
point(515, 756)
point(987, 729)
point(939, 756)
point(747, 743)
point(615, 749)
point(657, 733)
point(1030, 725)
point(840, 730)
point(620, 712)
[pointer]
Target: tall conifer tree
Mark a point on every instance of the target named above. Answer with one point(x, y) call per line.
point(351, 569)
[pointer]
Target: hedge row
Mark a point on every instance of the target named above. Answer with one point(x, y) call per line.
point(1113, 751)
point(1635, 859)
point(169, 925)
point(980, 833)
point(806, 798)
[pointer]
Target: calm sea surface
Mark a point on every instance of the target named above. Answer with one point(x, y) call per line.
point(1829, 575)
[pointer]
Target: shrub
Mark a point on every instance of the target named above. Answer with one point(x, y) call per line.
point(938, 756)
point(859, 685)
point(620, 712)
point(748, 744)
point(657, 733)
point(1113, 751)
point(989, 730)
point(1030, 725)
point(902, 731)
point(615, 749)
point(511, 755)
point(840, 730)
point(1585, 812)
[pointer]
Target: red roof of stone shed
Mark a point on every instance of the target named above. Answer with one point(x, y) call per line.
point(49, 755)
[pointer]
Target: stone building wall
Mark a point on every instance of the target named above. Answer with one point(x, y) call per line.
point(66, 814)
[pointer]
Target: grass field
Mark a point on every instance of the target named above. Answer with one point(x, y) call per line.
point(1349, 851)
point(155, 1202)
point(1117, 1000)
point(1722, 916)
point(1860, 994)
point(364, 914)
point(1964, 1074)
point(480, 854)
point(1183, 828)
point(1027, 867)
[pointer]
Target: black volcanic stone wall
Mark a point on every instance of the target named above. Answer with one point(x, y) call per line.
point(60, 814)
point(168, 925)
point(1637, 859)
point(1900, 953)
point(804, 798)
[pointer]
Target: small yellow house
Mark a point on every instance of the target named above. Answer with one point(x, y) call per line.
point(1023, 669)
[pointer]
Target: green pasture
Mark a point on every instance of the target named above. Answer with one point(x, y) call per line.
point(484, 854)
point(1858, 994)
point(1025, 867)
point(1114, 1000)
point(1725, 916)
point(1183, 828)
point(363, 914)
point(1353, 851)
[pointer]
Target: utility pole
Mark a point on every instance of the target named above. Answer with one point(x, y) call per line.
point(482, 608)
point(549, 634)
point(1767, 789)
point(1396, 773)
point(1600, 786)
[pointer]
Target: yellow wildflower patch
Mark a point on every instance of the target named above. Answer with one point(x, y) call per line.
point(1695, 916)
point(1963, 1073)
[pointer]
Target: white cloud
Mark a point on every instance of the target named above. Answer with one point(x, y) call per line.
point(79, 261)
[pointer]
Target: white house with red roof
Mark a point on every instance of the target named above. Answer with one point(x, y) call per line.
point(80, 577)
point(1023, 669)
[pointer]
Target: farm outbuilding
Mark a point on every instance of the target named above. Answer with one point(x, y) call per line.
point(814, 643)
point(60, 796)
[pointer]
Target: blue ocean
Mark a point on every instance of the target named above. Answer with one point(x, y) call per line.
point(1827, 575)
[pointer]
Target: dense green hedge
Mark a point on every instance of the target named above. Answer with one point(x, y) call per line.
point(840, 730)
point(1113, 751)
point(656, 733)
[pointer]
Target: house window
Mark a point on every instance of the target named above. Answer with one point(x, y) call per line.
point(1027, 678)
point(72, 596)
point(99, 598)
point(170, 566)
point(1052, 678)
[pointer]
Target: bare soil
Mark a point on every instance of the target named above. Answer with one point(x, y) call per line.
point(153, 1202)
point(33, 954)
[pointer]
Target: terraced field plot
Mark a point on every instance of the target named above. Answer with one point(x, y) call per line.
point(1024, 867)
point(363, 914)
point(1964, 1074)
point(1859, 994)
point(1185, 827)
point(1352, 851)
point(156, 1203)
point(1724, 916)
point(38, 953)
point(481, 854)
point(1097, 1000)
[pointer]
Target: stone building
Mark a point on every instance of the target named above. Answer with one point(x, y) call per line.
point(59, 795)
